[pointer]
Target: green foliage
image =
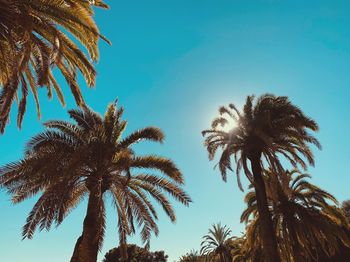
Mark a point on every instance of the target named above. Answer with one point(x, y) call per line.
point(135, 254)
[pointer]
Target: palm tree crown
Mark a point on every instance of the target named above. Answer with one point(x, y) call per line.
point(269, 127)
point(215, 243)
point(33, 39)
point(265, 130)
point(90, 158)
point(238, 247)
point(307, 221)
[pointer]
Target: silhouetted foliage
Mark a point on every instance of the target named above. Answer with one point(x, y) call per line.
point(89, 158)
point(135, 254)
point(307, 222)
point(215, 244)
point(268, 128)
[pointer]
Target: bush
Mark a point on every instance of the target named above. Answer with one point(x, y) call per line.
point(135, 254)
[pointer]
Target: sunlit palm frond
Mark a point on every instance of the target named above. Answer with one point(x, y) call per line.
point(37, 36)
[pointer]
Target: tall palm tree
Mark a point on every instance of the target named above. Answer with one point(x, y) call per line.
point(265, 130)
point(215, 244)
point(89, 158)
point(35, 37)
point(307, 222)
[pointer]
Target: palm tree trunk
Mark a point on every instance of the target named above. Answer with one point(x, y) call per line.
point(123, 249)
point(86, 247)
point(267, 232)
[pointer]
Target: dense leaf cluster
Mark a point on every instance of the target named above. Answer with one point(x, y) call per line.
point(135, 254)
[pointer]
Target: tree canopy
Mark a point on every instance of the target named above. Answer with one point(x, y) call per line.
point(37, 36)
point(135, 254)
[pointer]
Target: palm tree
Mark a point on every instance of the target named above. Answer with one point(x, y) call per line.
point(307, 223)
point(90, 158)
point(269, 128)
point(239, 247)
point(215, 243)
point(33, 39)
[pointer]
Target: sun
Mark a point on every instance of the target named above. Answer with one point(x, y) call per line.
point(231, 124)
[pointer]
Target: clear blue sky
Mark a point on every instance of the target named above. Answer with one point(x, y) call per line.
point(172, 64)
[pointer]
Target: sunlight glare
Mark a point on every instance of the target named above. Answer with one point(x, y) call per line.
point(231, 124)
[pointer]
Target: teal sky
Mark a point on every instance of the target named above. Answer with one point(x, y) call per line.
point(172, 64)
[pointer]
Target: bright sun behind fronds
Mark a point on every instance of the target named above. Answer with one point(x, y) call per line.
point(231, 124)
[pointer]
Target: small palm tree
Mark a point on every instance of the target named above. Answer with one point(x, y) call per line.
point(89, 158)
point(307, 221)
point(265, 130)
point(33, 39)
point(215, 245)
